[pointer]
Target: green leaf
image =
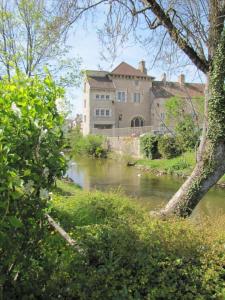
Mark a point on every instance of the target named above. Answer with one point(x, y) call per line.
point(27, 172)
point(15, 222)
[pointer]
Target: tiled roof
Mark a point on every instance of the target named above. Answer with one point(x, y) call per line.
point(170, 89)
point(100, 82)
point(125, 69)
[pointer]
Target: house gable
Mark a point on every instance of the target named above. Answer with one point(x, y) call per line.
point(127, 70)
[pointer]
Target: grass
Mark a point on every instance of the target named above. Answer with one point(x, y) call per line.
point(66, 188)
point(181, 165)
point(184, 163)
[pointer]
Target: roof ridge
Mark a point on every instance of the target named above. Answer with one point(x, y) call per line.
point(123, 62)
point(160, 81)
point(126, 69)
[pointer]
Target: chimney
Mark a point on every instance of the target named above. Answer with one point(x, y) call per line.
point(164, 78)
point(181, 79)
point(142, 67)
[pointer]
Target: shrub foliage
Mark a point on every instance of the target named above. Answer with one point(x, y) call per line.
point(92, 145)
point(126, 255)
point(168, 146)
point(149, 146)
point(30, 159)
point(187, 134)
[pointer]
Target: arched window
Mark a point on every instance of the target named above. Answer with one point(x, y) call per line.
point(137, 122)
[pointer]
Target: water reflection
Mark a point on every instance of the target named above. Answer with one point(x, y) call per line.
point(151, 191)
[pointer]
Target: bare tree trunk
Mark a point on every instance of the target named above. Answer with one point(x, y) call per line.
point(210, 166)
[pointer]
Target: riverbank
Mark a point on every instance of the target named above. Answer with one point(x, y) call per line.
point(181, 166)
point(168, 259)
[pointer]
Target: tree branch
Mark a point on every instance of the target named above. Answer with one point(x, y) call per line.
point(63, 233)
point(175, 35)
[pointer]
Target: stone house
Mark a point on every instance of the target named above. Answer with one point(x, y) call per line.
point(129, 98)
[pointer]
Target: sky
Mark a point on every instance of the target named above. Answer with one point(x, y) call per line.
point(85, 44)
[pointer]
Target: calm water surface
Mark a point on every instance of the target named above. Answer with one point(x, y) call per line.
point(149, 190)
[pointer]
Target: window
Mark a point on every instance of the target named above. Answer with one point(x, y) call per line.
point(137, 122)
point(103, 126)
point(84, 103)
point(137, 98)
point(102, 97)
point(97, 96)
point(107, 97)
point(121, 96)
point(85, 87)
point(136, 82)
point(102, 112)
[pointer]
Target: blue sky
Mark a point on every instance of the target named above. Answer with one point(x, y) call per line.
point(85, 44)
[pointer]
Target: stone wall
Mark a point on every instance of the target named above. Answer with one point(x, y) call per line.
point(125, 146)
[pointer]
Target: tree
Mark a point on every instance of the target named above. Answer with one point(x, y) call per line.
point(33, 36)
point(31, 141)
point(195, 27)
point(183, 115)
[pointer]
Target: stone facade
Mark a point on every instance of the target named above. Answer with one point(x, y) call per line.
point(128, 97)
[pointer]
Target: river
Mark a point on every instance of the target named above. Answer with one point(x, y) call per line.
point(149, 190)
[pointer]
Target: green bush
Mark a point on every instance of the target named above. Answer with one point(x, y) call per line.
point(187, 134)
point(94, 208)
point(129, 256)
point(168, 146)
point(92, 145)
point(95, 146)
point(149, 146)
point(126, 255)
point(31, 142)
